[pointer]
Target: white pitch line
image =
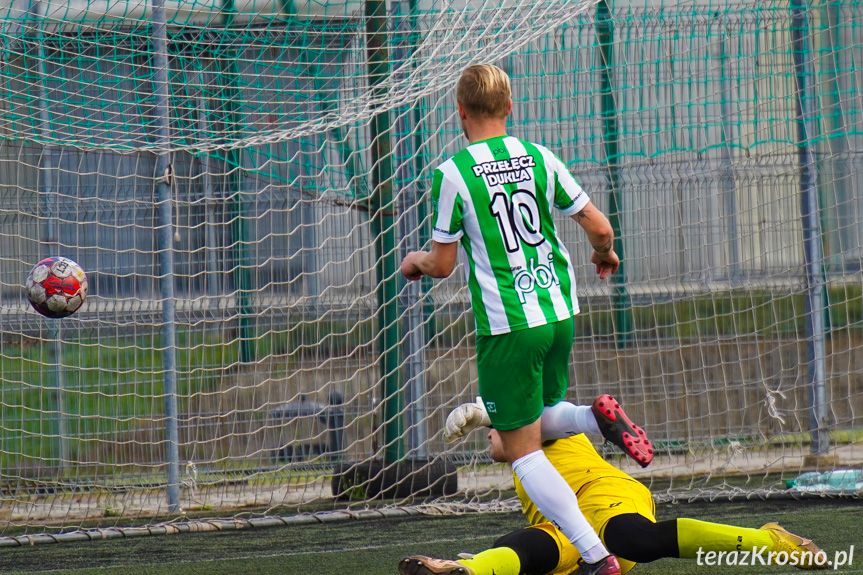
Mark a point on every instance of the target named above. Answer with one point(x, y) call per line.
point(278, 554)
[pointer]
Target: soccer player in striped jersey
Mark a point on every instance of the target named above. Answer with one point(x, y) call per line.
point(496, 198)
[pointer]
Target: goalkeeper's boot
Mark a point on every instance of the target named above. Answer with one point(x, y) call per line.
point(423, 565)
point(809, 555)
point(608, 565)
point(619, 430)
point(464, 419)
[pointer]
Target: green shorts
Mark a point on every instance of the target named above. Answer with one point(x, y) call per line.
point(523, 371)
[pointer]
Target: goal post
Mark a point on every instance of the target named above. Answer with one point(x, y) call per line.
point(241, 183)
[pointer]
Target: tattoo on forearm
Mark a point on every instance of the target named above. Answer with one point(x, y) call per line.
point(604, 248)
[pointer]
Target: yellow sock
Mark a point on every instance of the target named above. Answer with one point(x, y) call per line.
point(497, 561)
point(693, 535)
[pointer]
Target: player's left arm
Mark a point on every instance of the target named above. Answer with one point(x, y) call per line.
point(571, 200)
point(600, 234)
point(437, 263)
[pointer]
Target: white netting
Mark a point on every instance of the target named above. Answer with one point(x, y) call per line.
point(300, 162)
point(244, 77)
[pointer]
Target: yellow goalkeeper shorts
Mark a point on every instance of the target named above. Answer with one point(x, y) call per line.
point(600, 500)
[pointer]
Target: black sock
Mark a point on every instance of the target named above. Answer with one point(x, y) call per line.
point(536, 550)
point(636, 538)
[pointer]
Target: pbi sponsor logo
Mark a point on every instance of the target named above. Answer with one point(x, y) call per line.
point(535, 276)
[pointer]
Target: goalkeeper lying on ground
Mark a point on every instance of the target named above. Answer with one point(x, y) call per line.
point(621, 510)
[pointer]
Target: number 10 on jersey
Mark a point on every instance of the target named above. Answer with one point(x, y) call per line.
point(518, 217)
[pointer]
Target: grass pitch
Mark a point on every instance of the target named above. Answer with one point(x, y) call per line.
point(373, 547)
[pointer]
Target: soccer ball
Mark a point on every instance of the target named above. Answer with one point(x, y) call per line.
point(56, 287)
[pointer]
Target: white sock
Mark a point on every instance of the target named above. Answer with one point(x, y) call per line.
point(565, 420)
point(595, 553)
point(555, 499)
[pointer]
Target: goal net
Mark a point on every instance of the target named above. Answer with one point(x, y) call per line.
point(240, 180)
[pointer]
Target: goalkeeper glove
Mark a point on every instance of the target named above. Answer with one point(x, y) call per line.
point(464, 419)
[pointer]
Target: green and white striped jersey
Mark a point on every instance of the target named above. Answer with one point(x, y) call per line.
point(496, 197)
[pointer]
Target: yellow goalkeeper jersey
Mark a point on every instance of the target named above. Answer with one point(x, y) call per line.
point(579, 464)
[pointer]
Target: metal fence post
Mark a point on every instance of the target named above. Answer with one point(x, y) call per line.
point(622, 331)
point(809, 210)
point(50, 201)
point(165, 239)
point(382, 211)
point(409, 203)
point(727, 135)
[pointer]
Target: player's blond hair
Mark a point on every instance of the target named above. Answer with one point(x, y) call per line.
point(484, 91)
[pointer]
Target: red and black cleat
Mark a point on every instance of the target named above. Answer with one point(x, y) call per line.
point(605, 566)
point(619, 430)
point(425, 565)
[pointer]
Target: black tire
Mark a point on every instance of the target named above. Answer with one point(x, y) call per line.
point(358, 480)
point(406, 478)
point(420, 478)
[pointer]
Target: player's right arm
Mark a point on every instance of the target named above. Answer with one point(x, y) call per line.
point(447, 219)
point(438, 263)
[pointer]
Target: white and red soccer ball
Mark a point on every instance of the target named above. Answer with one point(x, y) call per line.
point(56, 287)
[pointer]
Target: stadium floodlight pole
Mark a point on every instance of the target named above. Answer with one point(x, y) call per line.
point(50, 198)
point(812, 248)
point(165, 239)
point(381, 211)
point(611, 138)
